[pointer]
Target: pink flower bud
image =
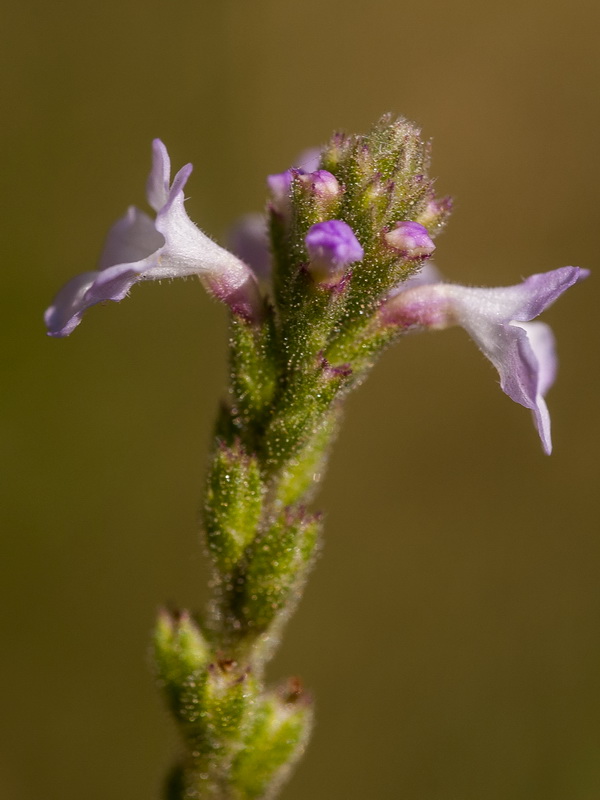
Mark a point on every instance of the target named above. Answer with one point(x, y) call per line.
point(410, 239)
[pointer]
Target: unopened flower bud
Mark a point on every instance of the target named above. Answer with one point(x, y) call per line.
point(280, 189)
point(320, 186)
point(332, 247)
point(280, 183)
point(410, 239)
point(322, 183)
point(322, 189)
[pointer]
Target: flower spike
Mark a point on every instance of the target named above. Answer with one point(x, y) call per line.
point(341, 255)
point(499, 322)
point(138, 248)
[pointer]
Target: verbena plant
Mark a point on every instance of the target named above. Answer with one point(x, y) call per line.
point(335, 271)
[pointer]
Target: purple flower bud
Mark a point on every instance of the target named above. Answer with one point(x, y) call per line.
point(322, 183)
point(139, 248)
point(410, 239)
point(332, 247)
point(323, 192)
point(499, 322)
point(280, 184)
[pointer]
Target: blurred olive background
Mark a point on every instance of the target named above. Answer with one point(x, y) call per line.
point(450, 631)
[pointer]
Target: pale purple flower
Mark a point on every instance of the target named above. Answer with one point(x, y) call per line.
point(139, 248)
point(499, 321)
point(249, 239)
point(309, 159)
point(332, 247)
point(410, 239)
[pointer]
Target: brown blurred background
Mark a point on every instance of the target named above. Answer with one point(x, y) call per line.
point(450, 632)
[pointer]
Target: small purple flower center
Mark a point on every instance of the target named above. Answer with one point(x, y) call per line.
point(332, 247)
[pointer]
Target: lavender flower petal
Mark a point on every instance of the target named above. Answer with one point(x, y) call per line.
point(279, 186)
point(536, 369)
point(249, 240)
point(64, 315)
point(309, 160)
point(543, 344)
point(157, 185)
point(132, 238)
